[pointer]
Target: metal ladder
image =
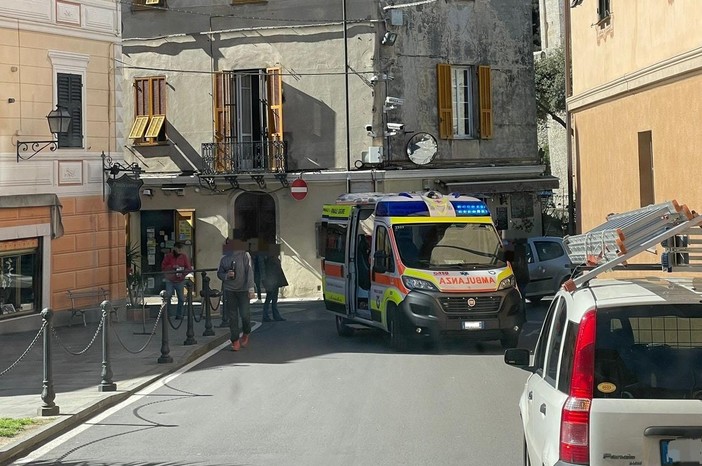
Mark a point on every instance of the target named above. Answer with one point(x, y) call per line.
point(625, 235)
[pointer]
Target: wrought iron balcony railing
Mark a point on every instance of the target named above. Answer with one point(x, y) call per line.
point(222, 158)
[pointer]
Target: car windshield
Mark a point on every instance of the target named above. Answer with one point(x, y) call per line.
point(461, 246)
point(649, 352)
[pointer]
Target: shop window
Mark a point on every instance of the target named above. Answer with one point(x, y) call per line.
point(20, 277)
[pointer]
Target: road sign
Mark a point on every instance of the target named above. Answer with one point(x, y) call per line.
point(298, 189)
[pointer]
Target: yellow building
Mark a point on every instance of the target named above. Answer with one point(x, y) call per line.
point(636, 105)
point(56, 232)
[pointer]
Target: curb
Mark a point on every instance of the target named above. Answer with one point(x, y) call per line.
point(52, 430)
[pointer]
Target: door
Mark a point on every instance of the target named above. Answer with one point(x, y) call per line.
point(359, 265)
point(383, 273)
point(157, 234)
point(334, 242)
point(538, 405)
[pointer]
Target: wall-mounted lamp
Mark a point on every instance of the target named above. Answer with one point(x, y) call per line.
point(59, 120)
point(389, 38)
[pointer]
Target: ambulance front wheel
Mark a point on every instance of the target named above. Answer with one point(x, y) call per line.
point(398, 338)
point(342, 329)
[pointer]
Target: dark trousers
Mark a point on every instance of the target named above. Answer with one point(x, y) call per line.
point(272, 300)
point(236, 304)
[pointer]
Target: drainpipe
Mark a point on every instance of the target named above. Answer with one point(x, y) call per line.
point(569, 135)
point(346, 95)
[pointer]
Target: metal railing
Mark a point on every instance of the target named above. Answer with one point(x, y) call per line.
point(228, 157)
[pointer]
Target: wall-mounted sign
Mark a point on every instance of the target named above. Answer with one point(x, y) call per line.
point(124, 194)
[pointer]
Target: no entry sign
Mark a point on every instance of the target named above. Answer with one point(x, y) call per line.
point(298, 189)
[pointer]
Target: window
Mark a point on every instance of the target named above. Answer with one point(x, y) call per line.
point(335, 243)
point(149, 125)
point(382, 244)
point(548, 250)
point(646, 178)
point(554, 345)
point(20, 282)
point(457, 101)
point(248, 118)
point(540, 351)
point(603, 9)
point(69, 94)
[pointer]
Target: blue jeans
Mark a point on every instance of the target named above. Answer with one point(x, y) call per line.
point(272, 299)
point(178, 287)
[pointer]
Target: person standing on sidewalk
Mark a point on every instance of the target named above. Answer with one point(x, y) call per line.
point(236, 273)
point(176, 266)
point(273, 279)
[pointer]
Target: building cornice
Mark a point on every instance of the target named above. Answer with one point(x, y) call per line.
point(671, 68)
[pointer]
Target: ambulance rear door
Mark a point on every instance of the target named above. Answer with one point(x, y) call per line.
point(334, 250)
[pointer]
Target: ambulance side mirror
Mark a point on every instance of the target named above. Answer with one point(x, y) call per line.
point(380, 262)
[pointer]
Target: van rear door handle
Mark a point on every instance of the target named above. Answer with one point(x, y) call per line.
point(542, 408)
point(530, 396)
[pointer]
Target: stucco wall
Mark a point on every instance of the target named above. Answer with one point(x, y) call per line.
point(639, 34)
point(495, 33)
point(607, 147)
point(313, 89)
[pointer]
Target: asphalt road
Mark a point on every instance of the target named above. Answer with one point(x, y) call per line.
point(300, 394)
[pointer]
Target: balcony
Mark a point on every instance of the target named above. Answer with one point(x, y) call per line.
point(232, 158)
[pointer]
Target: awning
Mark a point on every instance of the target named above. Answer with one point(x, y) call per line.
point(37, 200)
point(520, 185)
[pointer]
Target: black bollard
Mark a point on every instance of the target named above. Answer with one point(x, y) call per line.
point(165, 349)
point(190, 333)
point(48, 395)
point(106, 384)
point(206, 298)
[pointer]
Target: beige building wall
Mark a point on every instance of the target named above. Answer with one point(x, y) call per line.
point(639, 34)
point(606, 139)
point(639, 70)
point(39, 39)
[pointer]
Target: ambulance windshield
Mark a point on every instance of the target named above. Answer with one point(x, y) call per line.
point(462, 246)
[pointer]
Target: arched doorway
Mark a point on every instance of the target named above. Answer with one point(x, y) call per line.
point(255, 216)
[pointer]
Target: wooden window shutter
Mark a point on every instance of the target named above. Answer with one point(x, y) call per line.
point(445, 103)
point(69, 90)
point(222, 125)
point(275, 103)
point(485, 94)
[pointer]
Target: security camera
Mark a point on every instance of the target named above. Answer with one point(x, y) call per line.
point(369, 128)
point(396, 126)
point(374, 79)
point(394, 101)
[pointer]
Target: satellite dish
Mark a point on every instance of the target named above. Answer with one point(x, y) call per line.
point(422, 148)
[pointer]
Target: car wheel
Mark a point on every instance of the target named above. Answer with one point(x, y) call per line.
point(527, 461)
point(509, 340)
point(398, 339)
point(342, 329)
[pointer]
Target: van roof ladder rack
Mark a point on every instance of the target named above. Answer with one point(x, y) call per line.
point(625, 235)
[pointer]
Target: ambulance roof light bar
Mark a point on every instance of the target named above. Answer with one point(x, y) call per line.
point(625, 235)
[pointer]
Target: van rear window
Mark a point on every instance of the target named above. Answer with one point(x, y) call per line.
point(649, 352)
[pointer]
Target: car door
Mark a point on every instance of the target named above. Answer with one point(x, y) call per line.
point(548, 266)
point(542, 397)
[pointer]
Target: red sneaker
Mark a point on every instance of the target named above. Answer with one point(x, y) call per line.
point(236, 346)
point(244, 340)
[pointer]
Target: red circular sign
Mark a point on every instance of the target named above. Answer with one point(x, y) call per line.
point(298, 189)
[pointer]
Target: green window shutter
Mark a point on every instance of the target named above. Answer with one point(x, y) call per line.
point(445, 100)
point(69, 89)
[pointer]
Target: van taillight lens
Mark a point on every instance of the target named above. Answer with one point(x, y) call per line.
point(575, 417)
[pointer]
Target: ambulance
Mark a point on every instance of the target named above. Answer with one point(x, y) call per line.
point(419, 266)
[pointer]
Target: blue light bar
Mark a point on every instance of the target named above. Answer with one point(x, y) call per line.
point(470, 208)
point(401, 209)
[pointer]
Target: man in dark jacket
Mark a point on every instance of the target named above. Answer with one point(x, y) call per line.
point(236, 273)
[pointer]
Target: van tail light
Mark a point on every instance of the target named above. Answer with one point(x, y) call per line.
point(575, 416)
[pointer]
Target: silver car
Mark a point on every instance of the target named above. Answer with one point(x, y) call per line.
point(549, 266)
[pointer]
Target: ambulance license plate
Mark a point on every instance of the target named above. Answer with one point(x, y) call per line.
point(473, 325)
